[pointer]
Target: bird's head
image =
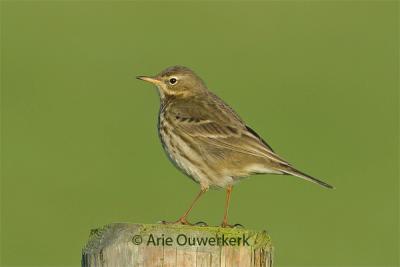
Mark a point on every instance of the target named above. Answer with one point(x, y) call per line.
point(176, 81)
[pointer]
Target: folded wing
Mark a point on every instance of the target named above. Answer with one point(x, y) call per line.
point(221, 127)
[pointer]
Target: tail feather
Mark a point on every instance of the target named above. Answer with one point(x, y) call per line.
point(297, 173)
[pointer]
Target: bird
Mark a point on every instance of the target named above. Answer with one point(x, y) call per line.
point(208, 141)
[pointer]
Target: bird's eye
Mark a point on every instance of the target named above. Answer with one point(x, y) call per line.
point(172, 81)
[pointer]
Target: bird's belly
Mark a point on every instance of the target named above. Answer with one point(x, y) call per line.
point(195, 159)
point(184, 157)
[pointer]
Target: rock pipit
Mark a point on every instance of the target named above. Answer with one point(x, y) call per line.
point(207, 140)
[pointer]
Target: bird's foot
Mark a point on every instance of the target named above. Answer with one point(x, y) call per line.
point(183, 221)
point(226, 225)
point(179, 221)
point(201, 224)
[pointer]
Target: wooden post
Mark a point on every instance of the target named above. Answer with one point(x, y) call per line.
point(152, 245)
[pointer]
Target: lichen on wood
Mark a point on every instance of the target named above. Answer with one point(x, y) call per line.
point(123, 244)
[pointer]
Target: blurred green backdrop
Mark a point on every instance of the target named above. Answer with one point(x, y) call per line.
point(318, 80)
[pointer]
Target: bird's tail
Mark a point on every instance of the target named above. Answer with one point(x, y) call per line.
point(292, 171)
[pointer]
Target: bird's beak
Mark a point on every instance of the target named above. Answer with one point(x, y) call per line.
point(148, 79)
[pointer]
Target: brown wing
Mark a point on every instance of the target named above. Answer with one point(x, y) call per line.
point(215, 123)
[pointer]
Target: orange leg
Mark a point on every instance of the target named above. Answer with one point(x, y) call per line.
point(182, 219)
point(228, 198)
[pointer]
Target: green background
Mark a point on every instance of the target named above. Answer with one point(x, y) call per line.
point(318, 80)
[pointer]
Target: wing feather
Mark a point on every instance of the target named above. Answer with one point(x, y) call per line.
point(224, 129)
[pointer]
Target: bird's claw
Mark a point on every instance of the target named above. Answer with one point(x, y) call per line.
point(201, 224)
point(236, 225)
point(182, 221)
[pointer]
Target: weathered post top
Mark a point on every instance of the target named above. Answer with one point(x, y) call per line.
point(151, 245)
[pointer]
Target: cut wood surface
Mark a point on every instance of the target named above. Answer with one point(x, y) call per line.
point(152, 245)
